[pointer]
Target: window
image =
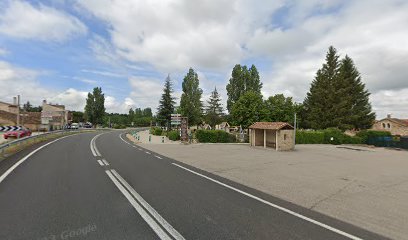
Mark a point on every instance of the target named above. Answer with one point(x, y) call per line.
point(383, 125)
point(388, 125)
point(284, 136)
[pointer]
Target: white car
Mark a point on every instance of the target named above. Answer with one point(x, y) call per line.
point(75, 126)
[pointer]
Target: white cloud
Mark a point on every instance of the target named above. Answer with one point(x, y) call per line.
point(22, 20)
point(394, 102)
point(20, 81)
point(103, 73)
point(71, 98)
point(146, 92)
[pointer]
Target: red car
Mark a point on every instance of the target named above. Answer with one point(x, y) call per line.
point(17, 134)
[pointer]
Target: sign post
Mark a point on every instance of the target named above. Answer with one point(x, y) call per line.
point(184, 129)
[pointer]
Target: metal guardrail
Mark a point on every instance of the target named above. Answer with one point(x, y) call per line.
point(21, 141)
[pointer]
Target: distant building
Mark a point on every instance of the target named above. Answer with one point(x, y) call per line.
point(8, 107)
point(223, 126)
point(8, 116)
point(54, 116)
point(394, 125)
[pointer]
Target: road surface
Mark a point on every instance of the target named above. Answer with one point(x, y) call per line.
point(100, 186)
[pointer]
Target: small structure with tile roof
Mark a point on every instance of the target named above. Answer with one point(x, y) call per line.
point(395, 126)
point(277, 135)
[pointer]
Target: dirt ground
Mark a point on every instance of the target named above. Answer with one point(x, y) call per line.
point(367, 187)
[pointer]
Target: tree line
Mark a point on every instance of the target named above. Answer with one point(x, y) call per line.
point(337, 98)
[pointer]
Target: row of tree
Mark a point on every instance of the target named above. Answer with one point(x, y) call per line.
point(337, 98)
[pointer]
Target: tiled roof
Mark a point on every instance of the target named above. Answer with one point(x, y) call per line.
point(403, 122)
point(271, 125)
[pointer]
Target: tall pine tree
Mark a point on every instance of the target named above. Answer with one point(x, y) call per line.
point(166, 104)
point(356, 112)
point(214, 110)
point(320, 100)
point(190, 102)
point(242, 80)
point(337, 97)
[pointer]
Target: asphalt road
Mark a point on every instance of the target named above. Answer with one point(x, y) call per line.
point(100, 186)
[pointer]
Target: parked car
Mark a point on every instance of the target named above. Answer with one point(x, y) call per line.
point(17, 134)
point(74, 126)
point(88, 125)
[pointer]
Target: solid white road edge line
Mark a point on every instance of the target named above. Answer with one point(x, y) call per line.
point(148, 152)
point(158, 157)
point(149, 208)
point(25, 158)
point(274, 205)
point(106, 162)
point(149, 220)
point(93, 147)
point(120, 136)
point(100, 163)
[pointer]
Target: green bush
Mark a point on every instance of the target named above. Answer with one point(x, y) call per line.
point(366, 134)
point(119, 126)
point(156, 131)
point(173, 135)
point(325, 137)
point(309, 137)
point(214, 136)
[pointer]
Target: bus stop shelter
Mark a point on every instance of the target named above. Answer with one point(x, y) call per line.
point(275, 135)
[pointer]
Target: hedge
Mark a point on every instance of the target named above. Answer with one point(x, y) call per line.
point(214, 136)
point(327, 136)
point(366, 134)
point(173, 135)
point(309, 137)
point(156, 131)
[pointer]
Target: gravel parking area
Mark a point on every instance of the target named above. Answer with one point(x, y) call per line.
point(367, 187)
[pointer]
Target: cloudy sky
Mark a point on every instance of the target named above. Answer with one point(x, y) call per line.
point(60, 49)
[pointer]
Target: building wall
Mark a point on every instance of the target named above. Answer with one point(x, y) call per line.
point(285, 140)
point(390, 126)
point(6, 107)
point(6, 122)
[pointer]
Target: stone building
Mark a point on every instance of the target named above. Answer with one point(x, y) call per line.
point(276, 135)
point(8, 116)
point(394, 125)
point(54, 116)
point(8, 107)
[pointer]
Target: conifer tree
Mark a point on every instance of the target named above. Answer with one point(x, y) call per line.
point(337, 97)
point(214, 110)
point(166, 104)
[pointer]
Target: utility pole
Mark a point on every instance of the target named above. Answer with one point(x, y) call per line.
point(294, 136)
point(18, 110)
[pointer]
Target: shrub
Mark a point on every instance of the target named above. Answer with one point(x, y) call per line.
point(333, 136)
point(366, 134)
point(119, 126)
point(173, 135)
point(214, 136)
point(325, 137)
point(156, 131)
point(309, 137)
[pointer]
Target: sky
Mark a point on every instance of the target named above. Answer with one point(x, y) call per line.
point(59, 50)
